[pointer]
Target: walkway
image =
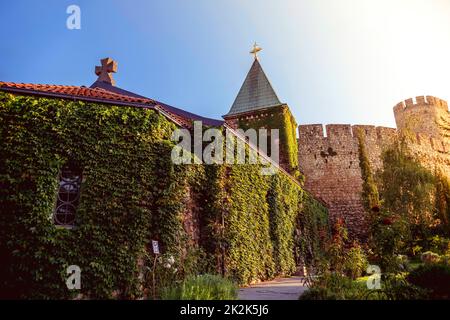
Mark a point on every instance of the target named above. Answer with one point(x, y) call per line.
point(278, 289)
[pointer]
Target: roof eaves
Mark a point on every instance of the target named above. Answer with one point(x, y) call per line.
point(74, 97)
point(90, 99)
point(259, 109)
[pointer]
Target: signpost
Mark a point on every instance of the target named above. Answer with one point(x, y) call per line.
point(155, 246)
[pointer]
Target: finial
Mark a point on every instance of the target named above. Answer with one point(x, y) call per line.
point(105, 71)
point(255, 50)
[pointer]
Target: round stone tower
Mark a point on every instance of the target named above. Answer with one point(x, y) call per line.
point(424, 115)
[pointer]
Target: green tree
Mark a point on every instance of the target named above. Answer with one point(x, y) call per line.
point(408, 189)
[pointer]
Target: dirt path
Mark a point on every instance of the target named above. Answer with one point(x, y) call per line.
point(278, 289)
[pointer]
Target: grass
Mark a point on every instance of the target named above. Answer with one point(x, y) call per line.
point(362, 279)
point(202, 287)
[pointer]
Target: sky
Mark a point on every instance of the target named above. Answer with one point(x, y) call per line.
point(331, 61)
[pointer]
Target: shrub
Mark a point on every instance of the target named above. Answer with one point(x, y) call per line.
point(429, 257)
point(403, 262)
point(445, 259)
point(203, 287)
point(355, 262)
point(433, 277)
point(334, 286)
point(389, 233)
point(415, 250)
point(338, 287)
point(319, 293)
point(396, 287)
point(335, 249)
point(438, 244)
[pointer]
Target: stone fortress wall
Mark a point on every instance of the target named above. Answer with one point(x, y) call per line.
point(330, 162)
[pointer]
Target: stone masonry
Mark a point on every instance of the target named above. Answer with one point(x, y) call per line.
point(330, 162)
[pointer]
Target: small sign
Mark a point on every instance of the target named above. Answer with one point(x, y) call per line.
point(155, 246)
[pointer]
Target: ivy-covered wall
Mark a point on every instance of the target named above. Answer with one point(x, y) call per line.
point(313, 231)
point(261, 226)
point(131, 193)
point(117, 149)
point(282, 119)
point(247, 225)
point(283, 198)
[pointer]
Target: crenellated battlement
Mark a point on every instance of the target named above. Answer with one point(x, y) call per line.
point(338, 131)
point(310, 131)
point(420, 101)
point(343, 132)
point(421, 115)
point(313, 136)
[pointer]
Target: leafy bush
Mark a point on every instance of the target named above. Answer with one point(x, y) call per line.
point(203, 287)
point(443, 201)
point(433, 277)
point(335, 249)
point(429, 257)
point(445, 259)
point(339, 257)
point(438, 244)
point(416, 196)
point(337, 287)
point(403, 262)
point(334, 286)
point(355, 261)
point(388, 237)
point(396, 287)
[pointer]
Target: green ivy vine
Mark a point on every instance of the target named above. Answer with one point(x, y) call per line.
point(132, 193)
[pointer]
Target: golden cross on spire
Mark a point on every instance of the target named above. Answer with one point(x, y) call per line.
point(255, 50)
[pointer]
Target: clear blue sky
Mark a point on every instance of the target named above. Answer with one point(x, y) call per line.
point(347, 61)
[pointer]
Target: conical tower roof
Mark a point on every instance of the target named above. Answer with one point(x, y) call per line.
point(256, 92)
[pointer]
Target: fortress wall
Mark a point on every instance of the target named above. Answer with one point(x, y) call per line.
point(330, 162)
point(331, 166)
point(432, 153)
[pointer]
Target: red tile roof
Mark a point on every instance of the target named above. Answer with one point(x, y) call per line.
point(97, 94)
point(75, 91)
point(102, 94)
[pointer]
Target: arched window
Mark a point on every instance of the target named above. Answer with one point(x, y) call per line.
point(68, 196)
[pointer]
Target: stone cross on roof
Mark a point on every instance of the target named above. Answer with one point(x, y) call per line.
point(105, 71)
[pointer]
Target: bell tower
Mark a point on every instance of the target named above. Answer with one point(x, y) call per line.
point(257, 106)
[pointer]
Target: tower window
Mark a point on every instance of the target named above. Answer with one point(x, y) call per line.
point(68, 196)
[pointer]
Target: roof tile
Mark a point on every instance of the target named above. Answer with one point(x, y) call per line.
point(180, 116)
point(256, 92)
point(76, 91)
